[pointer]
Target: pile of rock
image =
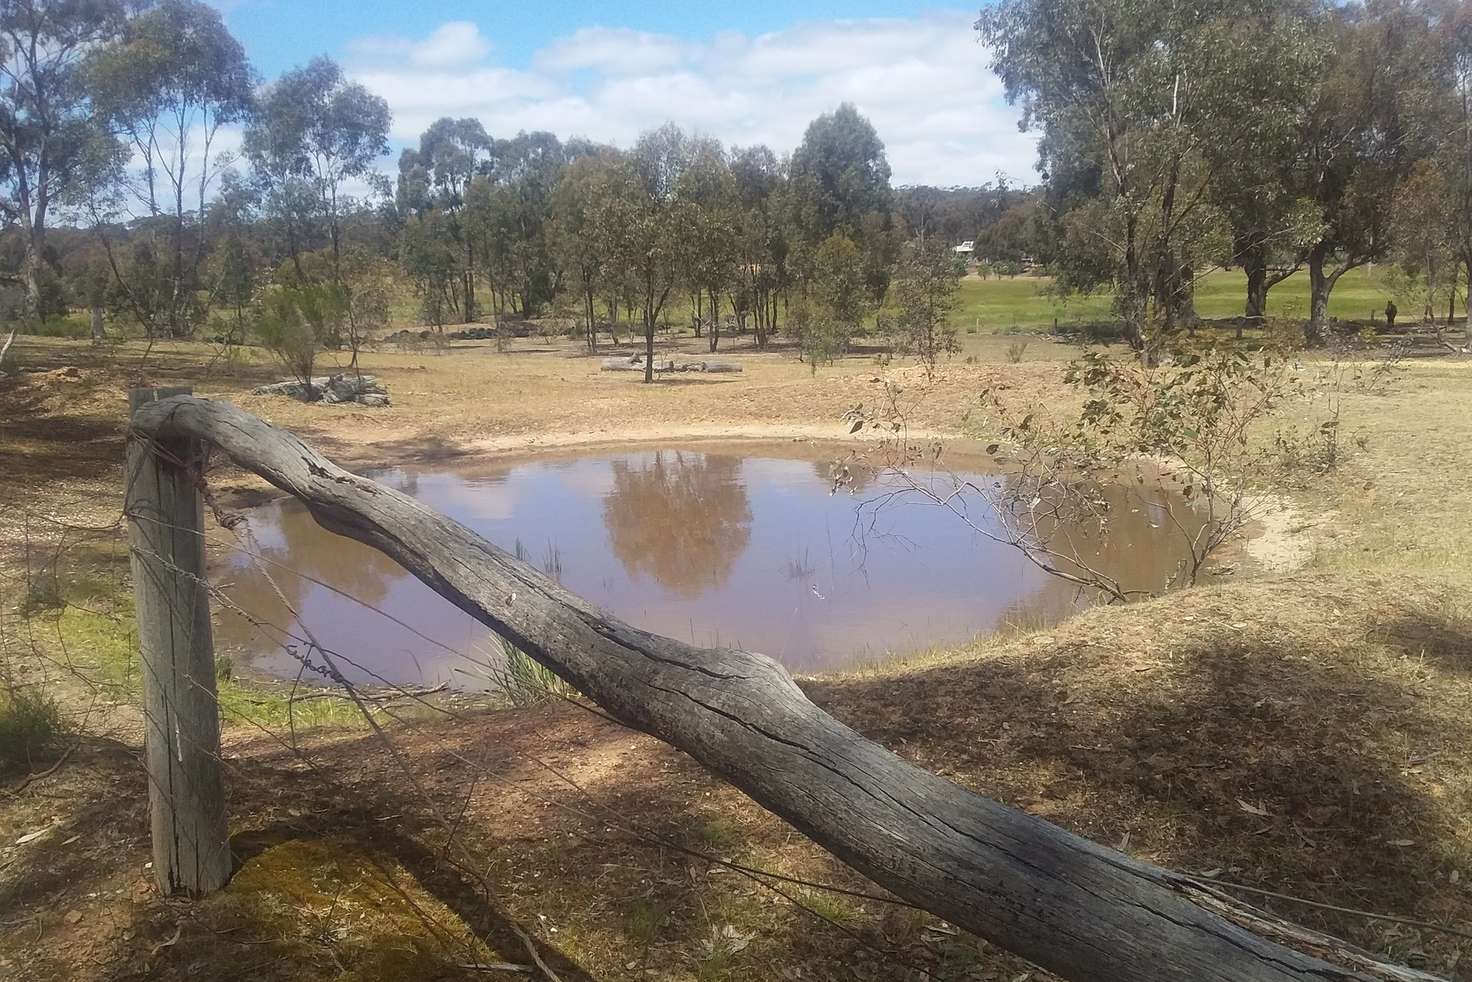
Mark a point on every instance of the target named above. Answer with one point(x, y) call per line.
point(407, 337)
point(361, 389)
point(635, 363)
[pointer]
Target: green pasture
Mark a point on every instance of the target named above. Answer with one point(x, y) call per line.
point(1025, 303)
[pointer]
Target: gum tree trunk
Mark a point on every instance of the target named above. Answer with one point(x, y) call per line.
point(1319, 285)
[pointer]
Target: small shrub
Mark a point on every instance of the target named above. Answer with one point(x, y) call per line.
point(1016, 350)
point(970, 328)
point(59, 326)
point(30, 728)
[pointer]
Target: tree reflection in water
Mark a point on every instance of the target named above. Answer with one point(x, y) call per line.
point(682, 518)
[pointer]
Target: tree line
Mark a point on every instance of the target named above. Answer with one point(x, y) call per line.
point(149, 176)
point(122, 191)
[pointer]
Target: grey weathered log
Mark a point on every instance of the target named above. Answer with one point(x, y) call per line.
point(186, 792)
point(1070, 905)
point(664, 365)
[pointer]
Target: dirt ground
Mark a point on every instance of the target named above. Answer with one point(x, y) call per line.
point(1299, 729)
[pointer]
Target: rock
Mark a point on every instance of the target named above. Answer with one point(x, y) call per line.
point(332, 389)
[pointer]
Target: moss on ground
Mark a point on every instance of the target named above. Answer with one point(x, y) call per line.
point(358, 915)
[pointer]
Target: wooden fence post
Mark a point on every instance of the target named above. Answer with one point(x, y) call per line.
point(186, 792)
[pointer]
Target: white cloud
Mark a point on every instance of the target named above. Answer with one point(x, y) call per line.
point(456, 42)
point(615, 50)
point(922, 81)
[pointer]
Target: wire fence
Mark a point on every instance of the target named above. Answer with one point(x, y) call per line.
point(396, 716)
point(416, 730)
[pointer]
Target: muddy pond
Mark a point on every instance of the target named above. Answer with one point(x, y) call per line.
point(735, 545)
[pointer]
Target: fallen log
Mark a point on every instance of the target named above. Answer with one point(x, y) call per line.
point(636, 364)
point(1072, 906)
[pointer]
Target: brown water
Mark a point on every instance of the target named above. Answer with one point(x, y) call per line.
point(725, 546)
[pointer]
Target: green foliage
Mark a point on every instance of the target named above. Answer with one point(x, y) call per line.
point(1427, 248)
point(294, 319)
point(926, 287)
point(1178, 138)
point(839, 175)
point(30, 728)
point(508, 212)
point(48, 131)
point(834, 304)
point(580, 231)
point(167, 85)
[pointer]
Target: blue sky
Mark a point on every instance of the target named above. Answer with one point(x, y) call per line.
point(752, 71)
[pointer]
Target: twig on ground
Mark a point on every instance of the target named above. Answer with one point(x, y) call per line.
point(495, 967)
point(29, 779)
point(531, 949)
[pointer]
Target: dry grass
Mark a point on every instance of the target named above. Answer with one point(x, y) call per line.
point(1337, 699)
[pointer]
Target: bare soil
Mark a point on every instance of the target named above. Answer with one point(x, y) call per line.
point(1300, 731)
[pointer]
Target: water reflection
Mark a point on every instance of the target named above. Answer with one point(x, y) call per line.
point(682, 518)
point(743, 549)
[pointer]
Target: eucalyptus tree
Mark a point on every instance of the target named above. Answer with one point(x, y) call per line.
point(508, 210)
point(709, 227)
point(760, 188)
point(1131, 97)
point(579, 232)
point(839, 182)
point(47, 127)
point(1425, 229)
point(166, 86)
point(927, 284)
point(839, 174)
point(834, 304)
point(1270, 60)
point(1374, 115)
point(646, 219)
point(434, 184)
point(236, 258)
point(314, 132)
point(1433, 209)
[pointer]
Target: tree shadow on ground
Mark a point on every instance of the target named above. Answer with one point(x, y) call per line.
point(1275, 762)
point(1441, 637)
point(1304, 752)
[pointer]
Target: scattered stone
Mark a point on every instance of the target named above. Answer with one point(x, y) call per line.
point(331, 389)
